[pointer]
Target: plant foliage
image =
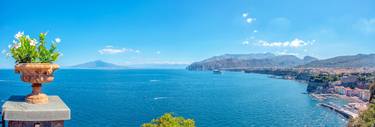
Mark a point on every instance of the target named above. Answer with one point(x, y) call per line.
point(168, 120)
point(27, 50)
point(365, 119)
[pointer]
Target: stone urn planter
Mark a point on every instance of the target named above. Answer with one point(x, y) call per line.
point(36, 73)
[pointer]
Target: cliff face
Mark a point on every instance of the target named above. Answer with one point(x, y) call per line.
point(249, 61)
point(317, 87)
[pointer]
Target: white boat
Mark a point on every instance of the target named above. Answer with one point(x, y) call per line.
point(217, 72)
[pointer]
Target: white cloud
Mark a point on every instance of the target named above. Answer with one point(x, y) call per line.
point(250, 20)
point(245, 42)
point(109, 49)
point(285, 52)
point(366, 25)
point(255, 31)
point(295, 43)
point(158, 52)
point(109, 46)
point(245, 14)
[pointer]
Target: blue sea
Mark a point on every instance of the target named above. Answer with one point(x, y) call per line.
point(128, 98)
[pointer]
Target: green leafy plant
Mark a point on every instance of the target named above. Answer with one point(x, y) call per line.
point(168, 120)
point(27, 50)
point(366, 118)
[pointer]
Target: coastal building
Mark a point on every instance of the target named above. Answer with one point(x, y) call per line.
point(356, 92)
point(348, 92)
point(349, 80)
point(365, 95)
point(336, 83)
point(363, 85)
point(340, 90)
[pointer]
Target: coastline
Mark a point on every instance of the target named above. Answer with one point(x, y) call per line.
point(349, 110)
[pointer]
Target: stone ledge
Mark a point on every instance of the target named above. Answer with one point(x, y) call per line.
point(16, 109)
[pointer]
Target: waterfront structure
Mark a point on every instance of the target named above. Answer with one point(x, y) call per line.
point(19, 113)
point(362, 94)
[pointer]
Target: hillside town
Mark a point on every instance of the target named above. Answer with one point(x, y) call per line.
point(351, 82)
point(348, 83)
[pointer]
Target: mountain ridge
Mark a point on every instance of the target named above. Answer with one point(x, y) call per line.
point(269, 60)
point(98, 64)
point(359, 60)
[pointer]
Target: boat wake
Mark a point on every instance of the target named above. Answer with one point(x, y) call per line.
point(154, 80)
point(160, 98)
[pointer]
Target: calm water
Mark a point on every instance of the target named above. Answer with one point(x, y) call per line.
point(128, 98)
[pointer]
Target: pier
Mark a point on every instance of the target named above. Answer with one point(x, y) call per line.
point(319, 97)
point(346, 113)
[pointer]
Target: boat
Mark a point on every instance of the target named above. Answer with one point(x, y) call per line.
point(217, 72)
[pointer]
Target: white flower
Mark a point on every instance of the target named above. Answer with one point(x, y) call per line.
point(17, 45)
point(33, 42)
point(14, 41)
point(57, 40)
point(18, 35)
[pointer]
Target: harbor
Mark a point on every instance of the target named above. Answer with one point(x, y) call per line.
point(344, 112)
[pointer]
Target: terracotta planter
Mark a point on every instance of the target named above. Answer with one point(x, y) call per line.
point(36, 73)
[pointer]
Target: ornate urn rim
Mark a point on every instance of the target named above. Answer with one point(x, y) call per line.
point(27, 66)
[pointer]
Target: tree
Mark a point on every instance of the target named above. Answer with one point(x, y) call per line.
point(168, 120)
point(372, 92)
point(366, 118)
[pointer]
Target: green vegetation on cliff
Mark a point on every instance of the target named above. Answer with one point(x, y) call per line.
point(365, 119)
point(168, 120)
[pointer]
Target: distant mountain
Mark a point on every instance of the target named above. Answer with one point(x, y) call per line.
point(360, 60)
point(98, 64)
point(240, 57)
point(249, 61)
point(309, 59)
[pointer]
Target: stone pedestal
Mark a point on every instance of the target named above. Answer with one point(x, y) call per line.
point(18, 113)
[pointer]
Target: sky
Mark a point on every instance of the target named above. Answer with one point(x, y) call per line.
point(130, 32)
